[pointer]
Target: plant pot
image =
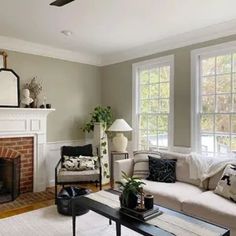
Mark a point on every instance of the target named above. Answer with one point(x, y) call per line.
point(131, 201)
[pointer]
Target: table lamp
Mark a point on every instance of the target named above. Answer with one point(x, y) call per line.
point(120, 141)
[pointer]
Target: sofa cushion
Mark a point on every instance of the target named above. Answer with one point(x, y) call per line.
point(141, 163)
point(171, 195)
point(226, 187)
point(211, 207)
point(162, 170)
point(182, 165)
point(213, 181)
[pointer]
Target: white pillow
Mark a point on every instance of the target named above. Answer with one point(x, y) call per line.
point(226, 187)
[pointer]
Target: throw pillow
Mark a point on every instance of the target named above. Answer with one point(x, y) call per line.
point(226, 187)
point(71, 163)
point(80, 163)
point(162, 170)
point(141, 164)
point(88, 163)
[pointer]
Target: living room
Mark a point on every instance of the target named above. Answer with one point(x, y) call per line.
point(166, 68)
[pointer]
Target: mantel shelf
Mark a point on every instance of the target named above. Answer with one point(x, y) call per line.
point(26, 111)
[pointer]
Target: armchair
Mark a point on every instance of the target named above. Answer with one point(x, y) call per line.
point(64, 176)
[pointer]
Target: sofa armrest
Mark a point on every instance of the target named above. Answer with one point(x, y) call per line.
point(126, 165)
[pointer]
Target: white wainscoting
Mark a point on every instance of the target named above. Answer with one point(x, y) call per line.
point(54, 155)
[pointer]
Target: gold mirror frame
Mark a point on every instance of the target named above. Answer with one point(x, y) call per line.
point(3, 54)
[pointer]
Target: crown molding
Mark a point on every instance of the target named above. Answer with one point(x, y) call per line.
point(173, 42)
point(177, 41)
point(19, 45)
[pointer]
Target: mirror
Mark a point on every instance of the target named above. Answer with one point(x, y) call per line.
point(3, 59)
point(9, 88)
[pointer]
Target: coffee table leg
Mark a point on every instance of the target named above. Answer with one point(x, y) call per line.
point(73, 219)
point(118, 229)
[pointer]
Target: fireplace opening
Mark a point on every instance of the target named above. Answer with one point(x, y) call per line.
point(9, 179)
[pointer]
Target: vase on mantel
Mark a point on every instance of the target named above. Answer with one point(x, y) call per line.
point(34, 104)
point(100, 141)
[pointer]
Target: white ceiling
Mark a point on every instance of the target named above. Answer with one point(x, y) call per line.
point(103, 28)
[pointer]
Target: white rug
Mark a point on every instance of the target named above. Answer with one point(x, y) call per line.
point(47, 222)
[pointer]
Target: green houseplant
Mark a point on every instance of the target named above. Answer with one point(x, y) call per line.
point(99, 115)
point(131, 187)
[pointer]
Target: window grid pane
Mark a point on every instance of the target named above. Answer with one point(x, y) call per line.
point(154, 99)
point(217, 103)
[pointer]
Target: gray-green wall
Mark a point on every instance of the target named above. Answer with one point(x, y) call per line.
point(117, 88)
point(73, 89)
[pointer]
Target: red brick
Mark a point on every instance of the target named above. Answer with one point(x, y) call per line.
point(23, 146)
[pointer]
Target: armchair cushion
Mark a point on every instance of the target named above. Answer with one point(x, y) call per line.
point(77, 176)
point(86, 150)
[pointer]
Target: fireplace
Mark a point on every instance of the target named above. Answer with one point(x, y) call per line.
point(24, 124)
point(9, 178)
point(10, 148)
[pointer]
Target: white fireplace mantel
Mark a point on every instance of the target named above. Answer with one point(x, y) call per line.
point(20, 122)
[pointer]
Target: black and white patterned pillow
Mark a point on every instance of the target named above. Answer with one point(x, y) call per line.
point(226, 186)
point(89, 163)
point(79, 163)
point(162, 170)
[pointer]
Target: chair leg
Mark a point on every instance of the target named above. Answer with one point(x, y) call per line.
point(96, 184)
point(55, 193)
point(100, 185)
point(110, 222)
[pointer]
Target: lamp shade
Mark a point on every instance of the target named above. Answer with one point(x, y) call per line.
point(120, 125)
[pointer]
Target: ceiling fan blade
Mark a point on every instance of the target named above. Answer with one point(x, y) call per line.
point(60, 3)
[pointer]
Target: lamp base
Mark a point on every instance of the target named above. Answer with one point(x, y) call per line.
point(120, 142)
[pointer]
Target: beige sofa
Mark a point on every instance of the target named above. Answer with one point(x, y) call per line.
point(185, 194)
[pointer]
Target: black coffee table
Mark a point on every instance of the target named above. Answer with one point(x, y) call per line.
point(134, 224)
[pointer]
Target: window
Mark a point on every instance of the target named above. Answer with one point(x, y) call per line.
point(152, 107)
point(215, 102)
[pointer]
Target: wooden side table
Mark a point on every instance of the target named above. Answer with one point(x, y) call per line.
point(113, 155)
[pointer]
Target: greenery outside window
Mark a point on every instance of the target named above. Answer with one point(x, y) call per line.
point(152, 106)
point(215, 102)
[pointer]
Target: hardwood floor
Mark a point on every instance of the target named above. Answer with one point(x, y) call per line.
point(33, 201)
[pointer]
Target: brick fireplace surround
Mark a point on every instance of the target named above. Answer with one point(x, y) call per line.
point(24, 131)
point(23, 146)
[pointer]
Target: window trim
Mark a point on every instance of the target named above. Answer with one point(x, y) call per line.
point(196, 54)
point(135, 88)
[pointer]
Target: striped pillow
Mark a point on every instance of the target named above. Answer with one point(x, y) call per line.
point(141, 163)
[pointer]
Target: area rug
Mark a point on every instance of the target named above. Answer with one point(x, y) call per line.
point(47, 222)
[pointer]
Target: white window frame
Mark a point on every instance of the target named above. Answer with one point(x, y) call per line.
point(215, 50)
point(135, 90)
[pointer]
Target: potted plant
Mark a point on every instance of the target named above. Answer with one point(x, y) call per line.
point(131, 187)
point(99, 115)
